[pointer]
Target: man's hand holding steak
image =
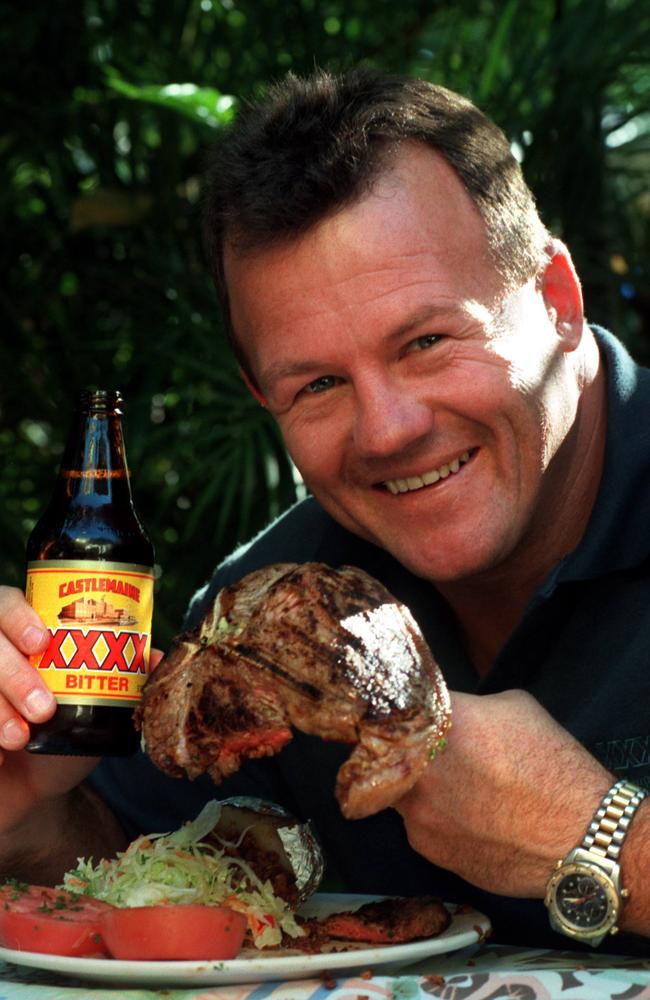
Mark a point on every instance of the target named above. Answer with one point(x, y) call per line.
point(508, 798)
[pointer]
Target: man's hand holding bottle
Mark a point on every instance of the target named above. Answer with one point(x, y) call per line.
point(24, 698)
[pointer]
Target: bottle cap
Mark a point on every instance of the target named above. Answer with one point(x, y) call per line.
point(100, 399)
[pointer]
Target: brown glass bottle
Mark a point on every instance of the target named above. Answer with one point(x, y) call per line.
point(90, 577)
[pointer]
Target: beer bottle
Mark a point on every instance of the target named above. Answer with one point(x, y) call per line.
point(90, 578)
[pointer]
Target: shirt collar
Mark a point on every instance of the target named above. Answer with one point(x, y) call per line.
point(617, 536)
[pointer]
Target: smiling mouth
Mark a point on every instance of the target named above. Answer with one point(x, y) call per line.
point(411, 483)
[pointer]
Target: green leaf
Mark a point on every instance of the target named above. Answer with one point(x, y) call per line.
point(496, 51)
point(205, 105)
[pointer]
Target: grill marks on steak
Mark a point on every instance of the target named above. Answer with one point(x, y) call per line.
point(229, 712)
point(329, 652)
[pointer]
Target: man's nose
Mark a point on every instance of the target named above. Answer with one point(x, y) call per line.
point(389, 418)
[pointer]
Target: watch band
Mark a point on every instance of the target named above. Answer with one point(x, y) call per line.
point(611, 820)
point(584, 895)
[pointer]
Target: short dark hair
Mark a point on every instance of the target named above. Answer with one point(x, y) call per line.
point(312, 145)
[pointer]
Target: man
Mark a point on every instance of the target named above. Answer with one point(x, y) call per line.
point(396, 303)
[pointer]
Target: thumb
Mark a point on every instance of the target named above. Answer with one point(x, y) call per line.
point(155, 657)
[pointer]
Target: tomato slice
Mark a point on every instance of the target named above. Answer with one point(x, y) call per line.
point(186, 931)
point(50, 921)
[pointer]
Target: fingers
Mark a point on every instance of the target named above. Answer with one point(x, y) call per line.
point(14, 731)
point(155, 657)
point(20, 623)
point(24, 697)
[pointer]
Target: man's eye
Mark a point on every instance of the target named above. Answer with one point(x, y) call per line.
point(321, 384)
point(425, 342)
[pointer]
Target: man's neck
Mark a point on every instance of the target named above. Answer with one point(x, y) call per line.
point(489, 607)
point(487, 615)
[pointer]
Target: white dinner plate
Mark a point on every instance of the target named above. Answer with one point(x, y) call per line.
point(465, 928)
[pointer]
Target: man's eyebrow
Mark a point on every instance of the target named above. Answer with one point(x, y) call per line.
point(420, 316)
point(291, 369)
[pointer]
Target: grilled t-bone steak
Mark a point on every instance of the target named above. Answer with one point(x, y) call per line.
point(328, 651)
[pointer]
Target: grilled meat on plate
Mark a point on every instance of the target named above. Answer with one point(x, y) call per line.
point(388, 921)
point(327, 651)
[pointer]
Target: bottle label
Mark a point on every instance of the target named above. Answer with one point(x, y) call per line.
point(98, 615)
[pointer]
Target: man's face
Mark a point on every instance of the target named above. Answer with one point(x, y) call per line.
point(422, 403)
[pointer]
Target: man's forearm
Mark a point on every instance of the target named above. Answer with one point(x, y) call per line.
point(48, 842)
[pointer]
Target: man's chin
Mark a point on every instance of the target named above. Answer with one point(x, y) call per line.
point(442, 563)
point(437, 556)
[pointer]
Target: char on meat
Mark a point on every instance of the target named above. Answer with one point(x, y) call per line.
point(394, 920)
point(327, 651)
point(390, 921)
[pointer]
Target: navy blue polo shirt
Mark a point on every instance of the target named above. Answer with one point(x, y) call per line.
point(582, 648)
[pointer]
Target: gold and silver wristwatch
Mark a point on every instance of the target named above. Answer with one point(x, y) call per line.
point(584, 895)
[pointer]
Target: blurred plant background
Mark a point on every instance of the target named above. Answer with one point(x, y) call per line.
point(109, 107)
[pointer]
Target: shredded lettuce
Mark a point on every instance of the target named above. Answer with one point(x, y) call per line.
point(180, 867)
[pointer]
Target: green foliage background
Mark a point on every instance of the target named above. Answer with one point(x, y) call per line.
point(108, 108)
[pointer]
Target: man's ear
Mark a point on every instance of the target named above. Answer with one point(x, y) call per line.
point(253, 389)
point(562, 294)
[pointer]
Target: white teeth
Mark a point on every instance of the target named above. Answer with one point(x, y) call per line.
point(396, 486)
point(414, 482)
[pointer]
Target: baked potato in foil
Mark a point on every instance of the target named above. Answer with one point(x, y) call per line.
point(276, 845)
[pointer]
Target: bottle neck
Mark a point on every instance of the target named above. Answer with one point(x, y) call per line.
point(91, 514)
point(94, 468)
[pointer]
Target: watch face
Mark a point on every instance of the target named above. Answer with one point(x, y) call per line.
point(584, 901)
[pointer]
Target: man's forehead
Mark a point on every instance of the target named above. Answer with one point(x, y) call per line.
point(410, 172)
point(414, 241)
point(402, 166)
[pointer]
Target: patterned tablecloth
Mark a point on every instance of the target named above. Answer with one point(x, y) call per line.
point(481, 972)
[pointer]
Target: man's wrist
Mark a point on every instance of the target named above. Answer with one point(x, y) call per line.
point(48, 841)
point(635, 865)
point(587, 892)
point(30, 847)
